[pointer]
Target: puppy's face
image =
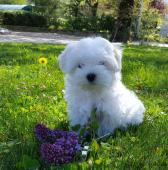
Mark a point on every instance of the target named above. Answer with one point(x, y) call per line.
point(91, 63)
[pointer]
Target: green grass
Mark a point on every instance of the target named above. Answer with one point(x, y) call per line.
point(32, 93)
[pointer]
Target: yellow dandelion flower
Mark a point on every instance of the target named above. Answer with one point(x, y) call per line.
point(43, 60)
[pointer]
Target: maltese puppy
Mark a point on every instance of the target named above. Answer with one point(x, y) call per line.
point(93, 81)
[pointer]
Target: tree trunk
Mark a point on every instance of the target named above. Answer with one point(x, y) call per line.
point(94, 9)
point(93, 4)
point(124, 19)
point(140, 7)
point(76, 8)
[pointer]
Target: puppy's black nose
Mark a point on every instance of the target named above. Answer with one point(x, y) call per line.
point(91, 77)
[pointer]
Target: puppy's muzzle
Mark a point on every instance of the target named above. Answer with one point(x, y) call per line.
point(91, 77)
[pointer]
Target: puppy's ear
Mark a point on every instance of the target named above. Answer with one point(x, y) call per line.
point(65, 58)
point(115, 58)
point(118, 56)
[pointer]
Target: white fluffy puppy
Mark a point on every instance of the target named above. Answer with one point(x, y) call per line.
point(93, 80)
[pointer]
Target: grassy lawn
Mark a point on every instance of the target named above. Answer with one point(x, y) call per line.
point(32, 93)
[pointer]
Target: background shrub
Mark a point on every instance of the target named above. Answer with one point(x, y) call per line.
point(101, 23)
point(106, 23)
point(151, 22)
point(79, 23)
point(23, 19)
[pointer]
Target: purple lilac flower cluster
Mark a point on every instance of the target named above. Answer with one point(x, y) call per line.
point(58, 147)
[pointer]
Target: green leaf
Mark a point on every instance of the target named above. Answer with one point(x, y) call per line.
point(27, 162)
point(83, 165)
point(94, 125)
point(82, 131)
point(105, 146)
point(76, 127)
point(94, 146)
point(93, 113)
point(98, 161)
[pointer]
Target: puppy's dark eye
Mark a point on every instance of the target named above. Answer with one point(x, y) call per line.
point(80, 65)
point(101, 63)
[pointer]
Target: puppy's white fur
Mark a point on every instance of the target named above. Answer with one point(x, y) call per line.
point(117, 107)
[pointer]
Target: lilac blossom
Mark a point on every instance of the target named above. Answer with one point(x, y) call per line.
point(58, 147)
